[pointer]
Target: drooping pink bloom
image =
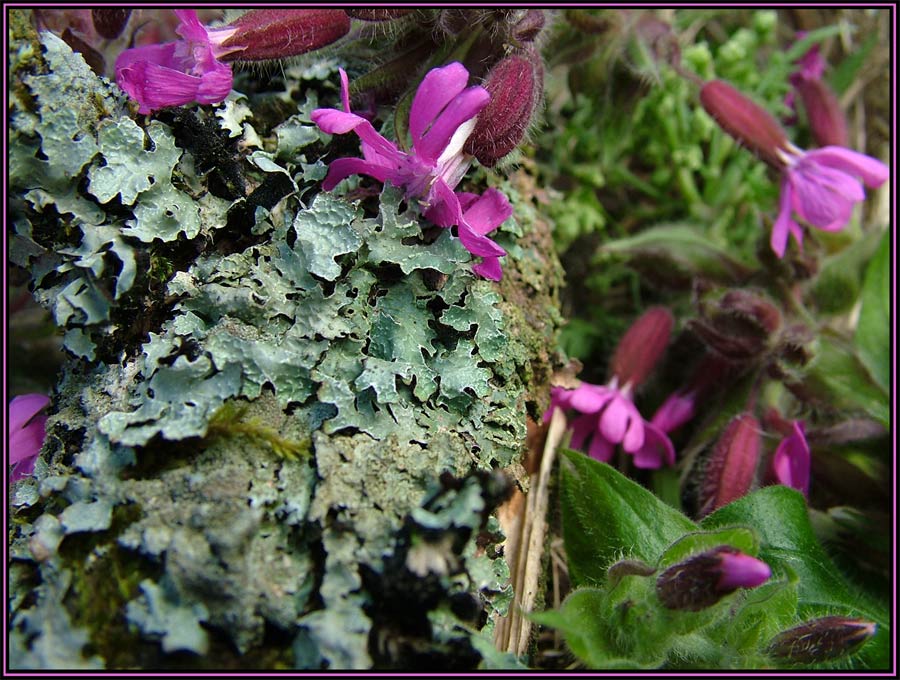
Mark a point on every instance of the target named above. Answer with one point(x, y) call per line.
point(608, 416)
point(442, 117)
point(177, 73)
point(820, 186)
point(26, 433)
point(791, 462)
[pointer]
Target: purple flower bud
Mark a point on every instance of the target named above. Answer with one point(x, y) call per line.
point(829, 637)
point(516, 84)
point(826, 118)
point(278, 33)
point(746, 121)
point(642, 346)
point(730, 472)
point(702, 580)
point(110, 23)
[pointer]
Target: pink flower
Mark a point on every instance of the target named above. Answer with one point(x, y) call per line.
point(608, 415)
point(821, 187)
point(26, 433)
point(675, 411)
point(791, 462)
point(178, 73)
point(442, 117)
point(608, 418)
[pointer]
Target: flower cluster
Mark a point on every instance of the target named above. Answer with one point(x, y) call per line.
point(441, 118)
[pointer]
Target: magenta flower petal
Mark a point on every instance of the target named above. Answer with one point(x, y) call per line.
point(791, 462)
point(657, 448)
point(601, 448)
point(873, 172)
point(478, 244)
point(465, 106)
point(27, 430)
point(824, 197)
point(26, 442)
point(342, 168)
point(587, 398)
point(785, 220)
point(25, 407)
point(742, 571)
point(436, 91)
point(489, 268)
point(488, 212)
point(582, 427)
point(675, 411)
point(615, 419)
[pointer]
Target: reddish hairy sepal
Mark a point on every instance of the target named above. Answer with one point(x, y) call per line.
point(279, 33)
point(743, 119)
point(516, 84)
point(642, 346)
point(731, 470)
point(824, 113)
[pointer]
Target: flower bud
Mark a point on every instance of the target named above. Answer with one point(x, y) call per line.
point(823, 110)
point(702, 580)
point(516, 84)
point(528, 27)
point(278, 33)
point(740, 327)
point(659, 39)
point(110, 23)
point(731, 469)
point(829, 637)
point(746, 121)
point(642, 346)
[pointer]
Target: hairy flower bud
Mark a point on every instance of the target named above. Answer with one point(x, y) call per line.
point(746, 121)
point(278, 33)
point(731, 470)
point(642, 346)
point(829, 637)
point(528, 27)
point(823, 110)
point(516, 84)
point(110, 23)
point(702, 580)
point(740, 327)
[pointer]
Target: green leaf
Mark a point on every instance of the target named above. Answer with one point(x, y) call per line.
point(838, 374)
point(606, 516)
point(581, 619)
point(844, 73)
point(789, 546)
point(742, 538)
point(687, 247)
point(873, 333)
